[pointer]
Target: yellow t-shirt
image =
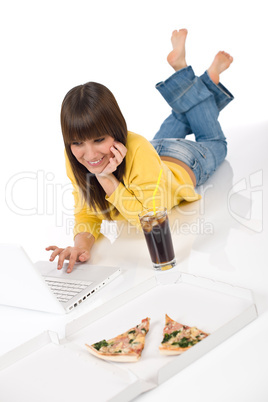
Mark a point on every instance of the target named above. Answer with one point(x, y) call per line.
point(143, 166)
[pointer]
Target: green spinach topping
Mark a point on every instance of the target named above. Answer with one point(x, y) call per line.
point(183, 343)
point(100, 344)
point(167, 337)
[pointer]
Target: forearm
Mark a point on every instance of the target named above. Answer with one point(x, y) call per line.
point(84, 240)
point(108, 182)
point(130, 203)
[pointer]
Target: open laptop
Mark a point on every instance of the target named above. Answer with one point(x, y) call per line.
point(42, 287)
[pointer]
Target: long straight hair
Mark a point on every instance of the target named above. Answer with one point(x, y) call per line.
point(88, 112)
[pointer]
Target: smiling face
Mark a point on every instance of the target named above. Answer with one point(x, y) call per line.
point(91, 121)
point(94, 154)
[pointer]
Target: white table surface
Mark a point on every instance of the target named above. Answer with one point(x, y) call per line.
point(223, 237)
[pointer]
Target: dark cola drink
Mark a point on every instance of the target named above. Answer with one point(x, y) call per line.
point(156, 230)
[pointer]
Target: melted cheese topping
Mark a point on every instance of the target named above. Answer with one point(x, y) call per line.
point(129, 342)
point(178, 336)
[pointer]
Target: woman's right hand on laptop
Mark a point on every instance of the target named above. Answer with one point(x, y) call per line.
point(80, 252)
point(73, 254)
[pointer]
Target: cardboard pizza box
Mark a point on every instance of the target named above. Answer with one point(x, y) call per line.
point(63, 367)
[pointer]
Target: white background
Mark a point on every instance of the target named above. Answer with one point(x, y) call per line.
point(48, 47)
point(51, 46)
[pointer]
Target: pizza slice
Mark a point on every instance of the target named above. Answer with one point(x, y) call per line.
point(178, 337)
point(126, 347)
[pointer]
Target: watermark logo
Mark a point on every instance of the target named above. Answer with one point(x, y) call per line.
point(36, 193)
point(251, 190)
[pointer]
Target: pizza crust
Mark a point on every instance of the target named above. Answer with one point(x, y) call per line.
point(126, 347)
point(126, 358)
point(177, 336)
point(172, 352)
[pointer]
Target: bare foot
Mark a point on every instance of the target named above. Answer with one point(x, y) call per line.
point(176, 57)
point(220, 63)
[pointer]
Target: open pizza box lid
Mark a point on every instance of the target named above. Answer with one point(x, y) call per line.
point(64, 367)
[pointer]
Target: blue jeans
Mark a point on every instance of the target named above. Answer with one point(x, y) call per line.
point(196, 103)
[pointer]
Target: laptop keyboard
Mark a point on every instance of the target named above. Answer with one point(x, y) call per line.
point(66, 289)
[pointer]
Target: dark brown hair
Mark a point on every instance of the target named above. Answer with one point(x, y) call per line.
point(90, 111)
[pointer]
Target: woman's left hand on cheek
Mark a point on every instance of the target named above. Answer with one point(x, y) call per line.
point(119, 150)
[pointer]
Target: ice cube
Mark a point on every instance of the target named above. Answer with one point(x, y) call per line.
point(146, 227)
point(161, 220)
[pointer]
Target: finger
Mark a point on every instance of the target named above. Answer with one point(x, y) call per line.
point(62, 256)
point(118, 150)
point(51, 248)
point(114, 162)
point(111, 167)
point(117, 156)
point(56, 252)
point(122, 151)
point(84, 256)
point(72, 261)
point(121, 148)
